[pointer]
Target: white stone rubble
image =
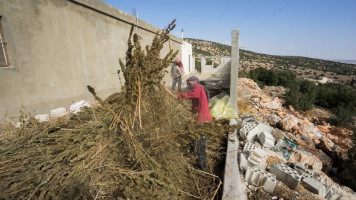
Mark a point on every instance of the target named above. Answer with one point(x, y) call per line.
point(42, 118)
point(266, 139)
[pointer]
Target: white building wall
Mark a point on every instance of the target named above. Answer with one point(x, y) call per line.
point(223, 69)
point(323, 80)
point(187, 57)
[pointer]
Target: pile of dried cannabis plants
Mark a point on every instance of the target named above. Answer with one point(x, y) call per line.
point(135, 145)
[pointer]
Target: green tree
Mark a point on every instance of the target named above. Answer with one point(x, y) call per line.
point(286, 78)
point(301, 95)
point(343, 115)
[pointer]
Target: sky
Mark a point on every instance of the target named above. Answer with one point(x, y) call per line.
point(324, 29)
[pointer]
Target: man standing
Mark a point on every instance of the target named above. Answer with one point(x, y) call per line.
point(200, 99)
point(176, 74)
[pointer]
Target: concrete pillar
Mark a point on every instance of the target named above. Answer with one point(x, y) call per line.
point(203, 65)
point(193, 65)
point(234, 68)
point(233, 187)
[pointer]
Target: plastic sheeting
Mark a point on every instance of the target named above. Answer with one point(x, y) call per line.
point(220, 108)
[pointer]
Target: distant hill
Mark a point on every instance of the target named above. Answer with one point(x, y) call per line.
point(346, 61)
point(302, 66)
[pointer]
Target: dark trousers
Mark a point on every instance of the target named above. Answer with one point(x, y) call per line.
point(200, 152)
point(175, 81)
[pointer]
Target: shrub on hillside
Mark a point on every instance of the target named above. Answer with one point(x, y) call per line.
point(343, 115)
point(301, 95)
point(267, 77)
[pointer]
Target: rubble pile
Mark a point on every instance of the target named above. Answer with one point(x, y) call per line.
point(267, 108)
point(281, 147)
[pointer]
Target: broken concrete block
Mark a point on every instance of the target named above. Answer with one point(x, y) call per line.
point(266, 139)
point(42, 118)
point(249, 131)
point(244, 163)
point(253, 176)
point(293, 179)
point(287, 175)
point(58, 112)
point(314, 186)
point(247, 119)
point(258, 157)
point(264, 127)
point(331, 195)
point(249, 147)
point(305, 172)
point(259, 177)
point(269, 182)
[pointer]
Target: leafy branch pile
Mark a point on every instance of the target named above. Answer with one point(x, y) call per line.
point(136, 144)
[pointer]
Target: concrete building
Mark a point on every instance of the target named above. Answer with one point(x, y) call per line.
point(323, 80)
point(55, 48)
point(222, 68)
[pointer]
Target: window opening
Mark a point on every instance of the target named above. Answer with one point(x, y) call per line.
point(3, 58)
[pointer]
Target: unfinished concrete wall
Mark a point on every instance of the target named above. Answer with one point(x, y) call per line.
point(58, 47)
point(222, 68)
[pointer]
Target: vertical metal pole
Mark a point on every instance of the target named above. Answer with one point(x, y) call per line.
point(234, 68)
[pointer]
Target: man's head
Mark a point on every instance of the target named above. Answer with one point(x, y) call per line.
point(178, 62)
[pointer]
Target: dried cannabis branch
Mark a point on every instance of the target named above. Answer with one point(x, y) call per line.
point(145, 69)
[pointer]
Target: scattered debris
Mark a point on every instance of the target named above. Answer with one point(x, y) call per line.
point(77, 106)
point(58, 112)
point(42, 118)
